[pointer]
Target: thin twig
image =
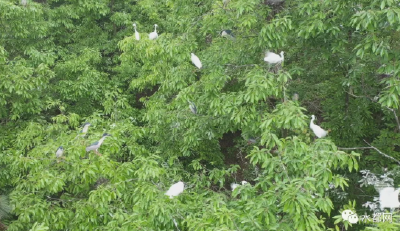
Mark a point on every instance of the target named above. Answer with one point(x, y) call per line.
point(175, 223)
point(395, 116)
point(283, 165)
point(237, 66)
point(250, 36)
point(375, 101)
point(356, 148)
point(379, 151)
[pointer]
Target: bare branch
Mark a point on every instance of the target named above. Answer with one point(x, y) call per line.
point(356, 148)
point(383, 154)
point(238, 66)
point(395, 116)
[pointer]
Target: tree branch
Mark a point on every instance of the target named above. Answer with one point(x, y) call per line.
point(238, 66)
point(395, 116)
point(375, 101)
point(356, 148)
point(383, 154)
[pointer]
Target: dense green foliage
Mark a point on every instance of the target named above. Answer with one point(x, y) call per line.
point(66, 62)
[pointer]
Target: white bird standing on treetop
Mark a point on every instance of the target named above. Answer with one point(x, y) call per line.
point(273, 58)
point(318, 131)
point(196, 61)
point(137, 36)
point(175, 189)
point(153, 35)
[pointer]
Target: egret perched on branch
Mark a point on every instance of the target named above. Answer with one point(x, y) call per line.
point(227, 34)
point(175, 189)
point(153, 35)
point(318, 131)
point(96, 145)
point(192, 107)
point(196, 61)
point(273, 58)
point(137, 36)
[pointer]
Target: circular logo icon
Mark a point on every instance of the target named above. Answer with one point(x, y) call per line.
point(353, 218)
point(346, 213)
point(350, 216)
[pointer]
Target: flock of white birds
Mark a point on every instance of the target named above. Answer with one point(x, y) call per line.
point(270, 58)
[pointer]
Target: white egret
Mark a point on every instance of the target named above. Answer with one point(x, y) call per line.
point(153, 35)
point(196, 61)
point(175, 189)
point(24, 2)
point(234, 185)
point(137, 36)
point(318, 131)
point(273, 58)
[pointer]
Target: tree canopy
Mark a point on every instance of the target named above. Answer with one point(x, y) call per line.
point(66, 62)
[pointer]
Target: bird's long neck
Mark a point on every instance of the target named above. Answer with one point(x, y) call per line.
point(312, 122)
point(282, 56)
point(85, 128)
point(155, 29)
point(102, 140)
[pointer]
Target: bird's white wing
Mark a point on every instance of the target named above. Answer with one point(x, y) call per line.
point(153, 35)
point(175, 190)
point(233, 186)
point(196, 61)
point(272, 57)
point(318, 131)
